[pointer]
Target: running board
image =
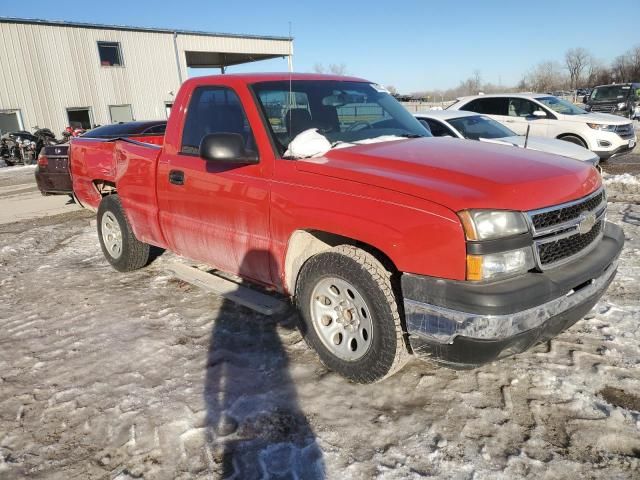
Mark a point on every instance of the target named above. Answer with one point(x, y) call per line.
point(260, 302)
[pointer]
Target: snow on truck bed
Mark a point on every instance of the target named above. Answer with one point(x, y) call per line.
point(109, 375)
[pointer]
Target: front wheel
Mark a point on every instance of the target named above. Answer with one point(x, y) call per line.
point(350, 315)
point(119, 245)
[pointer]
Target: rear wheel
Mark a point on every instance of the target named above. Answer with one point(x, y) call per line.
point(350, 314)
point(574, 139)
point(119, 245)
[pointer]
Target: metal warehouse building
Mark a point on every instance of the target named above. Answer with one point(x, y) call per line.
point(54, 74)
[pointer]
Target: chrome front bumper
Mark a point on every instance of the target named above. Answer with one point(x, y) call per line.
point(442, 325)
point(466, 324)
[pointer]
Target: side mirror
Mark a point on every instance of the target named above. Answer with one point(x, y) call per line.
point(539, 114)
point(226, 148)
point(585, 99)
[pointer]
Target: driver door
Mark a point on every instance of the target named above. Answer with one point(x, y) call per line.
point(212, 212)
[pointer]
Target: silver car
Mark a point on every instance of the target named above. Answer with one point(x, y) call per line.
point(474, 126)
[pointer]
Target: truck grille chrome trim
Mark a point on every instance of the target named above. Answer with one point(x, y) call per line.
point(564, 232)
point(442, 324)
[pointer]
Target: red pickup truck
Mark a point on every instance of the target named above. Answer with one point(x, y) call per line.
point(391, 242)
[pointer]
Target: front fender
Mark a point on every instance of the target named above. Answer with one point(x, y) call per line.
point(418, 236)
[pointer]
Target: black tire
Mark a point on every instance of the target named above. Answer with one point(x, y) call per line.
point(134, 253)
point(387, 352)
point(573, 139)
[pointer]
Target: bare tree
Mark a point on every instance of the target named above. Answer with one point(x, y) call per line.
point(392, 90)
point(476, 81)
point(336, 69)
point(546, 76)
point(621, 68)
point(634, 63)
point(318, 68)
point(576, 60)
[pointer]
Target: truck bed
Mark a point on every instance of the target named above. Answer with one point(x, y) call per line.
point(96, 162)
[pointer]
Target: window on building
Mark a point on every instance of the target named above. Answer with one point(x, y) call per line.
point(120, 113)
point(110, 54)
point(80, 117)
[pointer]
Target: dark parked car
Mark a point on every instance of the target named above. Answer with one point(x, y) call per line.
point(52, 172)
point(620, 99)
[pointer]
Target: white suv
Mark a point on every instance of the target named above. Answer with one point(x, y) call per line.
point(549, 116)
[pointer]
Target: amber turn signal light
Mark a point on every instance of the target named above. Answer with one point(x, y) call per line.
point(474, 267)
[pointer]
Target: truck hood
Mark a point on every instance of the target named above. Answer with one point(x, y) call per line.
point(460, 174)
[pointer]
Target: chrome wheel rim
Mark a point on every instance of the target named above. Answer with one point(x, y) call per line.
point(111, 235)
point(341, 318)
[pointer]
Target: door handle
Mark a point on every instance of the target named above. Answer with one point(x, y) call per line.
point(176, 177)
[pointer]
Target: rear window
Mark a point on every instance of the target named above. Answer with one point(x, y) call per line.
point(126, 129)
point(489, 106)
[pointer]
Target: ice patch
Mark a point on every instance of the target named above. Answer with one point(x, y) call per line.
point(625, 178)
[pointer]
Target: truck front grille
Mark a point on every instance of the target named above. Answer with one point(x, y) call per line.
point(560, 215)
point(557, 250)
point(564, 232)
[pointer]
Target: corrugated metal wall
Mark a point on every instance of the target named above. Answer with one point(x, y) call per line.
point(45, 69)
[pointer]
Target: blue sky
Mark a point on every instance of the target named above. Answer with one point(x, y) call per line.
point(413, 45)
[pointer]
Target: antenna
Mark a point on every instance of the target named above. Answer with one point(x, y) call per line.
point(290, 57)
point(290, 106)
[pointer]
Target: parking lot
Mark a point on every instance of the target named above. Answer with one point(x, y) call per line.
point(139, 375)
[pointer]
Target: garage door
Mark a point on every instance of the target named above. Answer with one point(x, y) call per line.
point(120, 113)
point(9, 121)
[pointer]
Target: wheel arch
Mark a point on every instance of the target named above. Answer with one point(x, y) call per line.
point(304, 244)
point(579, 137)
point(105, 187)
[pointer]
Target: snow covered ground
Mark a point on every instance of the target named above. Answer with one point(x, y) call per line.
point(110, 375)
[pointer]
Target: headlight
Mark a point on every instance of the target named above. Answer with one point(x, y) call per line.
point(622, 106)
point(513, 262)
point(602, 127)
point(490, 224)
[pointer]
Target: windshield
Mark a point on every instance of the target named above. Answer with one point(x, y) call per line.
point(342, 111)
point(561, 106)
point(610, 92)
point(478, 126)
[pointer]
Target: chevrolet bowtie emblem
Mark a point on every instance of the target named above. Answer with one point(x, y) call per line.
point(587, 221)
